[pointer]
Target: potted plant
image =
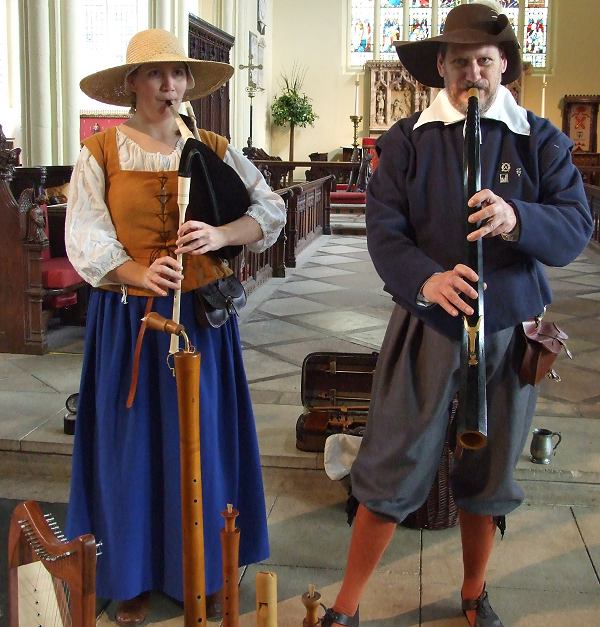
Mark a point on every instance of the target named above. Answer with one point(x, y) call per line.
point(292, 106)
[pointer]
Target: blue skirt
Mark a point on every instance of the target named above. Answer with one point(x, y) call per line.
point(125, 486)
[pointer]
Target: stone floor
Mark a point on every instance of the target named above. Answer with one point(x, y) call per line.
point(544, 572)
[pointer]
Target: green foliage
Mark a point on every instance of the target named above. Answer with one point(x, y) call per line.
point(292, 106)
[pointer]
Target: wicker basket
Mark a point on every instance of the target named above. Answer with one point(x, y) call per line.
point(439, 510)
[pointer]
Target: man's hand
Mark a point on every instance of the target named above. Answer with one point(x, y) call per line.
point(198, 238)
point(445, 289)
point(497, 216)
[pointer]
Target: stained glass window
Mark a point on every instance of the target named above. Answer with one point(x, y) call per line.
point(361, 40)
point(444, 8)
point(392, 27)
point(375, 24)
point(108, 25)
point(511, 8)
point(419, 26)
point(535, 32)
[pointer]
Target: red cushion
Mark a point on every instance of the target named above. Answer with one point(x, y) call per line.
point(58, 273)
point(350, 198)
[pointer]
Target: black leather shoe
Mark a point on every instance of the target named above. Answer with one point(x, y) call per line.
point(484, 614)
point(331, 617)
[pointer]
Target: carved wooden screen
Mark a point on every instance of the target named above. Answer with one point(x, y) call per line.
point(211, 44)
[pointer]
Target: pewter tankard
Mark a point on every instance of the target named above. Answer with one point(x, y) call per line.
point(542, 448)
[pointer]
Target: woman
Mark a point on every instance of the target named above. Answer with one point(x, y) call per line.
point(123, 236)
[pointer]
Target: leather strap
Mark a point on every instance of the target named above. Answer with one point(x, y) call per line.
point(135, 369)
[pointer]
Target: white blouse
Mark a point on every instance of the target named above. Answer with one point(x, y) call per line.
point(90, 236)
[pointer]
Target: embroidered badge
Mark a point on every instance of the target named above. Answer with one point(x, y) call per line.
point(518, 171)
point(505, 167)
point(504, 178)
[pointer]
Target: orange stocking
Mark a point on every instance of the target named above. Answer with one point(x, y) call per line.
point(477, 535)
point(370, 537)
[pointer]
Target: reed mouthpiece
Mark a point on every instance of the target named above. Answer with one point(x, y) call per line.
point(473, 93)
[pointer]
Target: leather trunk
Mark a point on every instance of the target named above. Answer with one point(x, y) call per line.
point(335, 392)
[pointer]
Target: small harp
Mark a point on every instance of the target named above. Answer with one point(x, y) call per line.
point(51, 581)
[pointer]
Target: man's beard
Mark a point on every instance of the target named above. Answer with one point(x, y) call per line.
point(484, 103)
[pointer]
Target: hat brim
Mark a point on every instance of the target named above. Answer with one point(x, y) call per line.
point(108, 86)
point(420, 57)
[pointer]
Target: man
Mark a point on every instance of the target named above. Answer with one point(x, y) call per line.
point(533, 212)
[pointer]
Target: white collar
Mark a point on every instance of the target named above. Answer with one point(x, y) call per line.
point(504, 109)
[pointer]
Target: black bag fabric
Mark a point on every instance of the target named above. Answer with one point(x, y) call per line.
point(217, 193)
point(215, 302)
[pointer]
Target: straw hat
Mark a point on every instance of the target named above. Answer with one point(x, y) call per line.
point(465, 24)
point(154, 46)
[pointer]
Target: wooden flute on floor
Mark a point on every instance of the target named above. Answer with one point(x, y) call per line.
point(471, 417)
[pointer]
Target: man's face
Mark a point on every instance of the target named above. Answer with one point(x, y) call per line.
point(466, 66)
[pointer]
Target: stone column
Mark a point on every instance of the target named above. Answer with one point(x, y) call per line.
point(71, 35)
point(37, 94)
point(228, 16)
point(181, 23)
point(161, 14)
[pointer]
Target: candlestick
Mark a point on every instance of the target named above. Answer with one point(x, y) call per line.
point(356, 120)
point(544, 96)
point(356, 84)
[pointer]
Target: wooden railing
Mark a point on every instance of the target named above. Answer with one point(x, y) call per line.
point(308, 213)
point(276, 173)
point(308, 210)
point(593, 195)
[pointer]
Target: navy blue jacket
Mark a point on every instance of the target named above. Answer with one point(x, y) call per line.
point(416, 222)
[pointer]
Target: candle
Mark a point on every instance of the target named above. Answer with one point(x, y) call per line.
point(544, 96)
point(356, 84)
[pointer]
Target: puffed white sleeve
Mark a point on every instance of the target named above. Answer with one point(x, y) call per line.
point(90, 237)
point(266, 207)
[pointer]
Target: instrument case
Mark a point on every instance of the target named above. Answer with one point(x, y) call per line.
point(335, 392)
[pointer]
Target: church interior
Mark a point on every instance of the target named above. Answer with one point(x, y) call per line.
point(313, 294)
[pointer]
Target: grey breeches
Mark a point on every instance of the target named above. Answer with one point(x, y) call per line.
point(416, 379)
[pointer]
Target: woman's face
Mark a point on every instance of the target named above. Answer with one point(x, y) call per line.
point(155, 84)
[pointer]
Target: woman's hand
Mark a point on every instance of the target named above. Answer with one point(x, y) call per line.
point(445, 289)
point(198, 238)
point(164, 274)
point(497, 216)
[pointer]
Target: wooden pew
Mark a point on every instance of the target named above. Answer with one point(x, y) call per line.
point(24, 242)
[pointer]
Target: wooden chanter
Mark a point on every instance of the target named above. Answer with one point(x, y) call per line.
point(187, 375)
point(230, 550)
point(49, 578)
point(311, 600)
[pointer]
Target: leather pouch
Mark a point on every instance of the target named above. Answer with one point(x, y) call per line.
point(544, 342)
point(216, 302)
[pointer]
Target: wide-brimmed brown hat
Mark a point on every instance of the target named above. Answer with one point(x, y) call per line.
point(154, 46)
point(465, 24)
